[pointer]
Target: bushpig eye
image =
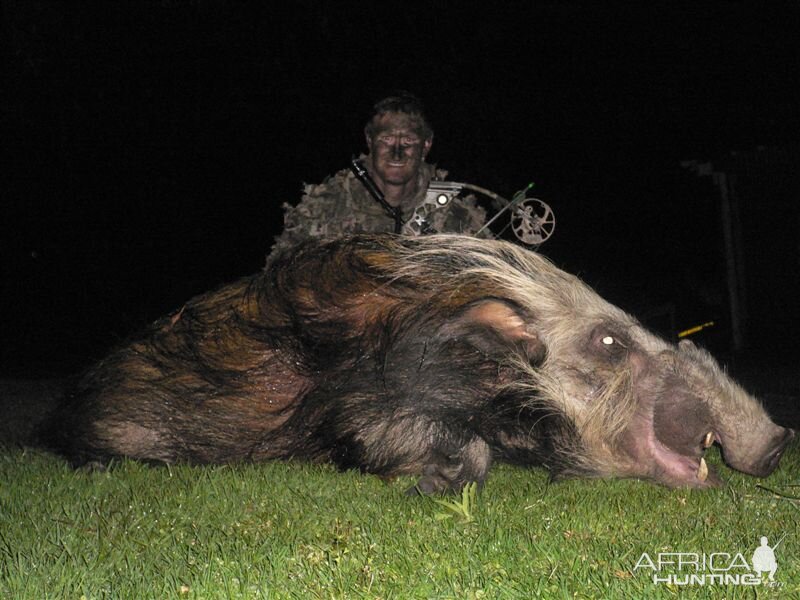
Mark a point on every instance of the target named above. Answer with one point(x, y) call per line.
point(612, 342)
point(609, 345)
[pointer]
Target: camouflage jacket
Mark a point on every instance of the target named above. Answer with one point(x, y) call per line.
point(341, 205)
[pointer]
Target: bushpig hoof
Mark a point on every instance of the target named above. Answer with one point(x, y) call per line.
point(452, 472)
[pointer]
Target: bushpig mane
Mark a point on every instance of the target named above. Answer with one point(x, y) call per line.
point(439, 276)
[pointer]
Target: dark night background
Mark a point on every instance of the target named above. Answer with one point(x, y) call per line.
point(147, 148)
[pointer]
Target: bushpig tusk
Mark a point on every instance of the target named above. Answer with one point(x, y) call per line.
point(702, 470)
point(709, 439)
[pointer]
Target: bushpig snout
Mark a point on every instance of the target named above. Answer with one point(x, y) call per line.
point(753, 458)
point(767, 463)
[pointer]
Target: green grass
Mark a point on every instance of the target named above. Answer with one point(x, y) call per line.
point(303, 531)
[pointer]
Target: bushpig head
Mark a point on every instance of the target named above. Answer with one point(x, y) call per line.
point(650, 409)
point(432, 356)
point(641, 406)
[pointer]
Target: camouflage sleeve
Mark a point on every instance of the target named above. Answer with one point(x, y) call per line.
point(338, 206)
point(312, 217)
point(462, 215)
point(474, 216)
point(297, 225)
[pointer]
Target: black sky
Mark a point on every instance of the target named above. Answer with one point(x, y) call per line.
point(147, 147)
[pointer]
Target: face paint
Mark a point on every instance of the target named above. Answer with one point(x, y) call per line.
point(397, 148)
point(396, 151)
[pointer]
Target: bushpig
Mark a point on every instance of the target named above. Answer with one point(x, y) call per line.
point(433, 356)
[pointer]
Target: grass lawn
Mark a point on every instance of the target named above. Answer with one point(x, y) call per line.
point(302, 531)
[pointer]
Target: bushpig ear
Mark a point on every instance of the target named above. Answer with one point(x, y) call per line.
point(496, 326)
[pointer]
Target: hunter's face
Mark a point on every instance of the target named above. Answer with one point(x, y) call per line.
point(397, 147)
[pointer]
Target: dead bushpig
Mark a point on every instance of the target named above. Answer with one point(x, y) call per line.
point(433, 356)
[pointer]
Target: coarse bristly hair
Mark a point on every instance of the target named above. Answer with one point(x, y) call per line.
point(557, 301)
point(431, 356)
